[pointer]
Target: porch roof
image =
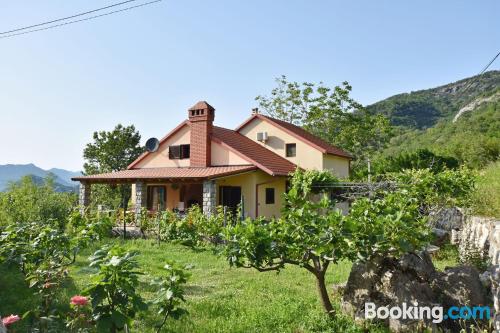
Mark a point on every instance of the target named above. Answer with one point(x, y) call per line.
point(171, 173)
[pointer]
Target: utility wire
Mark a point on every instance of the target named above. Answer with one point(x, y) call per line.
point(81, 20)
point(480, 73)
point(65, 18)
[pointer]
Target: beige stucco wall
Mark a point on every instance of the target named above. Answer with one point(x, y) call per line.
point(160, 158)
point(337, 165)
point(307, 157)
point(223, 156)
point(249, 182)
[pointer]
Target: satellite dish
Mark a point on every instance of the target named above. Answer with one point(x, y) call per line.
point(152, 145)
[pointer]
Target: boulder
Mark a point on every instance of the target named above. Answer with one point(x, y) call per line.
point(460, 285)
point(447, 218)
point(411, 279)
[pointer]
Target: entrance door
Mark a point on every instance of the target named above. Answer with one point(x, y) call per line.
point(157, 196)
point(230, 196)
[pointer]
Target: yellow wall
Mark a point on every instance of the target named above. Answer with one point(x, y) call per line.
point(160, 158)
point(306, 157)
point(248, 183)
point(223, 156)
point(337, 165)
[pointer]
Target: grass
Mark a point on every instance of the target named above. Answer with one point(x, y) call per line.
point(219, 298)
point(487, 194)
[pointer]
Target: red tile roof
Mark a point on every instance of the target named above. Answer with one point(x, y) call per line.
point(253, 152)
point(301, 134)
point(187, 173)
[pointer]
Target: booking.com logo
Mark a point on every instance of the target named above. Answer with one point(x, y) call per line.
point(435, 313)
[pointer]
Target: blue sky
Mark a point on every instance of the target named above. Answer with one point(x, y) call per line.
point(147, 66)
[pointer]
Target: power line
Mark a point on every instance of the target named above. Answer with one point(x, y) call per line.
point(81, 20)
point(480, 73)
point(65, 18)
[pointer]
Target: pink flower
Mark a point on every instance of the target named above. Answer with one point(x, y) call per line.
point(10, 320)
point(79, 300)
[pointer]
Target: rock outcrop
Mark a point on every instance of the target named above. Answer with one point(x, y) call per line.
point(412, 279)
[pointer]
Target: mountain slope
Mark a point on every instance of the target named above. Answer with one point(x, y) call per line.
point(449, 120)
point(13, 172)
point(424, 108)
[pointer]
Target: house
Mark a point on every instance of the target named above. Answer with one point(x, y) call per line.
point(198, 163)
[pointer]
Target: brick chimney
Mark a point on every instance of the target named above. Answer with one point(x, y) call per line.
point(201, 116)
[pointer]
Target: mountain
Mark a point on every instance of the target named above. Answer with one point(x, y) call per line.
point(460, 119)
point(425, 108)
point(13, 172)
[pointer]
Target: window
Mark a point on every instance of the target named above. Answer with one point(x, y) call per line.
point(291, 150)
point(269, 196)
point(178, 152)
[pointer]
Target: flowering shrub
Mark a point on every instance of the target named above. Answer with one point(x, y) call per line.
point(79, 320)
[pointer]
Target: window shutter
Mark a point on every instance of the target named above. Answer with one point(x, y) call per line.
point(174, 152)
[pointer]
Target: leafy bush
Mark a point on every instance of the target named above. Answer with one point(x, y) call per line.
point(444, 189)
point(115, 300)
point(26, 201)
point(313, 234)
point(193, 229)
point(170, 292)
point(419, 159)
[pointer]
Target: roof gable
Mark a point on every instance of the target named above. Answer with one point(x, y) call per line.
point(300, 134)
point(162, 141)
point(253, 152)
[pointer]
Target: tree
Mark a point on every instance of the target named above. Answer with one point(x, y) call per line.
point(26, 201)
point(329, 113)
point(314, 235)
point(112, 151)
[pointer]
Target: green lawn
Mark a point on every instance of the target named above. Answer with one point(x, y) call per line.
point(219, 298)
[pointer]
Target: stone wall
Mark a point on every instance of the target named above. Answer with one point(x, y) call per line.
point(484, 234)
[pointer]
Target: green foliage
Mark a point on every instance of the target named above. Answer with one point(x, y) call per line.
point(486, 198)
point(423, 108)
point(26, 201)
point(313, 234)
point(420, 159)
point(112, 151)
point(329, 113)
point(474, 139)
point(170, 292)
point(443, 189)
point(387, 226)
point(115, 301)
point(193, 229)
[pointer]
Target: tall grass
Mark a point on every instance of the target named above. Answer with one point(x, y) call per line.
point(487, 195)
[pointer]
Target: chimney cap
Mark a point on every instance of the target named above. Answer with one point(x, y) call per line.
point(255, 111)
point(201, 105)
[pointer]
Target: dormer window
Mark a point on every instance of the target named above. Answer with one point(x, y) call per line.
point(179, 152)
point(291, 150)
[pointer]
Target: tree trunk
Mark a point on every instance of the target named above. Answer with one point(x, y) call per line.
point(323, 294)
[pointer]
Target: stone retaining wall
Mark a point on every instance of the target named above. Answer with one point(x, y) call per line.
point(484, 234)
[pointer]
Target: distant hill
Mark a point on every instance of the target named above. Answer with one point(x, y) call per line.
point(448, 120)
point(424, 108)
point(14, 172)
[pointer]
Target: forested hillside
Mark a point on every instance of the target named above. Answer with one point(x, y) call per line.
point(424, 108)
point(424, 120)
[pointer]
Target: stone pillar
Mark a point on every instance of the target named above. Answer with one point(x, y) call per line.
point(209, 191)
point(84, 197)
point(140, 199)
